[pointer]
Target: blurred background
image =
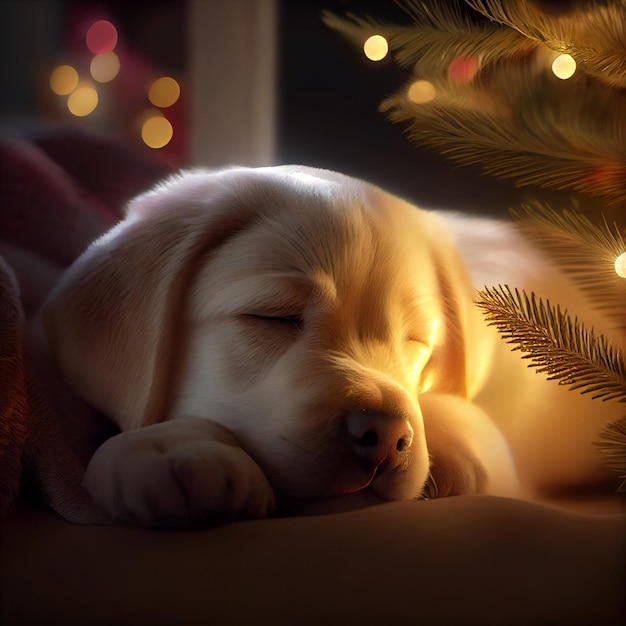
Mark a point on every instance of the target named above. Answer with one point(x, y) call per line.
point(218, 82)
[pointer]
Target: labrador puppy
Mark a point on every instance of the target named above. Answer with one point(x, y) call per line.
point(284, 334)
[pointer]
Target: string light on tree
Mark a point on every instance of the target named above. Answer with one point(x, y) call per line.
point(620, 265)
point(421, 92)
point(462, 69)
point(376, 48)
point(564, 66)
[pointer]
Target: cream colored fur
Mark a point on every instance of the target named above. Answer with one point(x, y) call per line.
point(244, 327)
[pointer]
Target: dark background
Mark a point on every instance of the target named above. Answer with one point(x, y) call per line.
point(328, 114)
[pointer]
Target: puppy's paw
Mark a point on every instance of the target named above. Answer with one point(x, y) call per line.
point(178, 473)
point(456, 473)
point(468, 453)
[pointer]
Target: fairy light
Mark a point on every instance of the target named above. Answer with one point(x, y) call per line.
point(63, 80)
point(104, 67)
point(164, 92)
point(83, 100)
point(156, 132)
point(421, 91)
point(462, 69)
point(101, 37)
point(564, 66)
point(376, 48)
point(620, 265)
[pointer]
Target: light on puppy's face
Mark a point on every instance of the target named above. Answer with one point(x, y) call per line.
point(620, 265)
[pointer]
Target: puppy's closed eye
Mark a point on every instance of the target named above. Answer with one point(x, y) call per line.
point(276, 321)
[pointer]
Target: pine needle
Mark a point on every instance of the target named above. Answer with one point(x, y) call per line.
point(612, 445)
point(436, 40)
point(513, 118)
point(584, 249)
point(595, 36)
point(572, 136)
point(555, 345)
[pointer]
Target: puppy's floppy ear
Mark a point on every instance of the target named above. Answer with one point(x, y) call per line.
point(454, 373)
point(114, 320)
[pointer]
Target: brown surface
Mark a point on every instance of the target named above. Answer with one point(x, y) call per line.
point(465, 560)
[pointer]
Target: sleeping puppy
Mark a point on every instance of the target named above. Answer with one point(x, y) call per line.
point(289, 334)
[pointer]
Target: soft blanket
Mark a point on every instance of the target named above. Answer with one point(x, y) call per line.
point(59, 190)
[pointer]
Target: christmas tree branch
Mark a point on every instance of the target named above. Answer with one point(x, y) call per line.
point(584, 249)
point(509, 114)
point(435, 42)
point(562, 146)
point(612, 445)
point(594, 36)
point(554, 344)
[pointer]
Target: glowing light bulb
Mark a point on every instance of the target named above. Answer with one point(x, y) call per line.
point(63, 80)
point(164, 92)
point(82, 101)
point(156, 132)
point(620, 265)
point(376, 48)
point(564, 66)
point(104, 67)
point(421, 91)
point(101, 37)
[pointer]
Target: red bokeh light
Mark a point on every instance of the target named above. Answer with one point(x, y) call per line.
point(101, 37)
point(462, 69)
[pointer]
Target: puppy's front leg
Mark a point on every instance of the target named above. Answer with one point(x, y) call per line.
point(181, 472)
point(468, 453)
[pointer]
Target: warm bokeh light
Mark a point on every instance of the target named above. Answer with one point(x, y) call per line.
point(82, 101)
point(156, 132)
point(376, 48)
point(421, 91)
point(104, 67)
point(564, 66)
point(620, 265)
point(164, 92)
point(101, 37)
point(63, 80)
point(462, 69)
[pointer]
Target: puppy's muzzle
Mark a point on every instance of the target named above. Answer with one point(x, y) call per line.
point(379, 440)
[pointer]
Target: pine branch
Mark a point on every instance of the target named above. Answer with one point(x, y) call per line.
point(436, 39)
point(522, 126)
point(612, 446)
point(554, 344)
point(513, 118)
point(583, 249)
point(595, 36)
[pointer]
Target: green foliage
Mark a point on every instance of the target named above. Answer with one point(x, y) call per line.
point(593, 35)
point(513, 117)
point(612, 445)
point(555, 345)
point(584, 249)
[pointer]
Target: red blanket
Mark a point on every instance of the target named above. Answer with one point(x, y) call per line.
point(58, 191)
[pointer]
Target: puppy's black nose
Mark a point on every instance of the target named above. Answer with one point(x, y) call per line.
point(379, 438)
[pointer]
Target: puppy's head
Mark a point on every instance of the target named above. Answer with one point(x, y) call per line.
point(302, 309)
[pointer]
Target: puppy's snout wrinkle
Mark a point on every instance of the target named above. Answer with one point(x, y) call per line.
point(378, 438)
